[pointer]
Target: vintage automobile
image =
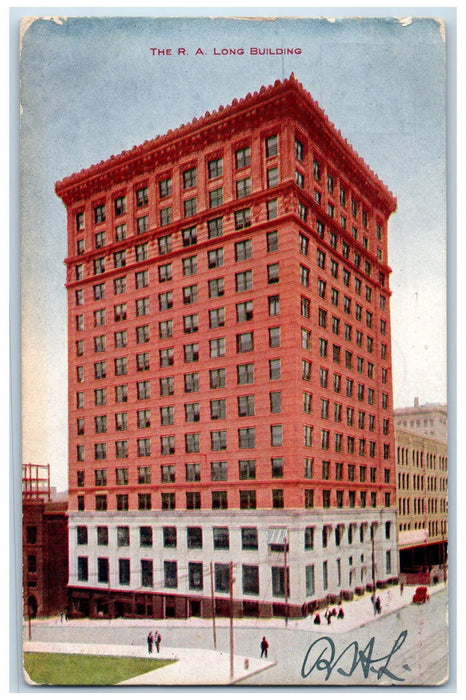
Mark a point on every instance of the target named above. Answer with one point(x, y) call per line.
point(421, 595)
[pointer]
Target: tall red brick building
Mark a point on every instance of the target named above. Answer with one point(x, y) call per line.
point(230, 389)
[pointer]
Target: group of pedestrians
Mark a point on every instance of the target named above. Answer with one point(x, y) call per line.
point(154, 639)
point(339, 614)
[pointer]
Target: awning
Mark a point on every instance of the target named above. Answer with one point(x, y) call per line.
point(277, 535)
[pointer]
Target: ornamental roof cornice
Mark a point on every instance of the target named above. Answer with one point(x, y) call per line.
point(216, 126)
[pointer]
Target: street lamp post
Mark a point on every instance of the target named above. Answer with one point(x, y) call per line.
point(231, 623)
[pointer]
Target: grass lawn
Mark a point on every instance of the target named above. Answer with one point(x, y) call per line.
point(80, 669)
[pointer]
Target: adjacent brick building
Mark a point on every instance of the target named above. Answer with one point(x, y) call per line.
point(45, 545)
point(230, 389)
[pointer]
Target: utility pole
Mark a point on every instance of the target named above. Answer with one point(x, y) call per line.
point(231, 623)
point(286, 583)
point(213, 604)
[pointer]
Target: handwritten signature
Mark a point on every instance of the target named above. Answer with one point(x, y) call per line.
point(321, 656)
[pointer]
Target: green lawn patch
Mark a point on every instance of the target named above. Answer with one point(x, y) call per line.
point(81, 669)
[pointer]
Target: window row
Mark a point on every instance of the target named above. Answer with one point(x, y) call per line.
point(330, 498)
point(246, 439)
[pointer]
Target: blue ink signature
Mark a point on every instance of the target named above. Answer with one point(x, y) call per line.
point(321, 657)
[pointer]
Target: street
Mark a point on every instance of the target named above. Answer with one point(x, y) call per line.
point(409, 646)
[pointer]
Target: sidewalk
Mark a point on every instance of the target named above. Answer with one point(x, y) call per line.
point(358, 612)
point(192, 667)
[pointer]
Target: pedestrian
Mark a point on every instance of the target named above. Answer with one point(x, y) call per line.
point(328, 616)
point(317, 619)
point(150, 642)
point(157, 639)
point(264, 647)
point(401, 587)
point(341, 614)
point(61, 616)
point(378, 605)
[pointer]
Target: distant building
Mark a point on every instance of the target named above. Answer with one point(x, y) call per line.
point(422, 492)
point(230, 389)
point(429, 419)
point(45, 545)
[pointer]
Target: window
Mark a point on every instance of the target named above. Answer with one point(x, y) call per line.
point(276, 435)
point(247, 469)
point(195, 576)
point(191, 352)
point(166, 329)
point(272, 177)
point(166, 357)
point(308, 435)
point(277, 467)
point(247, 500)
point(274, 305)
point(100, 239)
point(167, 444)
point(306, 370)
point(242, 219)
point(193, 471)
point(147, 573)
point(215, 258)
point(189, 178)
point(99, 318)
point(101, 502)
point(246, 438)
point(275, 398)
point(217, 378)
point(215, 168)
point(243, 157)
point(272, 209)
point(169, 537)
point(279, 587)
point(167, 415)
point(191, 323)
point(218, 440)
point(193, 500)
point(243, 281)
point(272, 241)
point(123, 536)
point(243, 187)
point(141, 252)
point(143, 390)
point(245, 342)
point(83, 572)
point(191, 382)
point(215, 226)
point(142, 224)
point(144, 475)
point(249, 538)
point(244, 311)
point(273, 273)
point(192, 442)
point(189, 236)
point(165, 272)
point(216, 318)
point(245, 374)
point(271, 146)
point(100, 452)
point(221, 538)
point(81, 535)
point(144, 501)
point(218, 471)
point(274, 369)
point(121, 366)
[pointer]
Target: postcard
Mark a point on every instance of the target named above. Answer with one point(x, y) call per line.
point(234, 398)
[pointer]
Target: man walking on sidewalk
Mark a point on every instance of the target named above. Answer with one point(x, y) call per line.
point(264, 647)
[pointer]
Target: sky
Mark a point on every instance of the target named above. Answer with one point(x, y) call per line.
point(91, 87)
